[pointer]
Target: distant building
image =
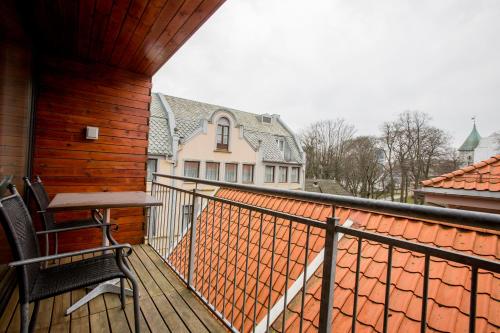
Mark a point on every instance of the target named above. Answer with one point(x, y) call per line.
point(195, 139)
point(476, 148)
point(474, 187)
point(487, 147)
point(329, 186)
point(466, 150)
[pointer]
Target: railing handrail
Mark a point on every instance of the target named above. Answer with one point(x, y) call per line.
point(449, 215)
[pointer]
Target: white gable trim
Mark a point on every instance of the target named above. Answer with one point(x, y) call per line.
point(294, 289)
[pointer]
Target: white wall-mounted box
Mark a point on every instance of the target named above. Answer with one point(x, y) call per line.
point(92, 133)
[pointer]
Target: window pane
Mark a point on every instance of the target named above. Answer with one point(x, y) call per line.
point(247, 173)
point(212, 172)
point(295, 175)
point(151, 167)
point(231, 172)
point(223, 121)
point(191, 169)
point(269, 176)
point(283, 174)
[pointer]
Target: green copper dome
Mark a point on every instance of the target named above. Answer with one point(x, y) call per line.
point(472, 140)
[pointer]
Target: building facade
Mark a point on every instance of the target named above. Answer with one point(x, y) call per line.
point(195, 139)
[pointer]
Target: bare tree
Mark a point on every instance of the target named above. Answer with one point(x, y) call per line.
point(325, 144)
point(364, 171)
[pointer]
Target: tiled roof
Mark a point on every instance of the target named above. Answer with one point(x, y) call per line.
point(481, 176)
point(189, 116)
point(160, 140)
point(448, 287)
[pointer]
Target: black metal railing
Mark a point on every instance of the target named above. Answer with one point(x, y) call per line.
point(232, 254)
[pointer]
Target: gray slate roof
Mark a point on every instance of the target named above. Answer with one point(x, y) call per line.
point(160, 139)
point(190, 115)
point(329, 186)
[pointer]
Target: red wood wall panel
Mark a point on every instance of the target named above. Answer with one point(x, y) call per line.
point(73, 95)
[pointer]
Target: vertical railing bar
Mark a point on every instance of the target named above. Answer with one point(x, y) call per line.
point(205, 248)
point(171, 221)
point(198, 241)
point(304, 281)
point(151, 239)
point(329, 269)
point(356, 287)
point(176, 208)
point(161, 222)
point(211, 254)
point(192, 242)
point(258, 272)
point(178, 245)
point(246, 273)
point(227, 258)
point(236, 264)
point(285, 299)
point(269, 299)
point(181, 236)
point(387, 288)
point(425, 291)
point(473, 299)
point(218, 255)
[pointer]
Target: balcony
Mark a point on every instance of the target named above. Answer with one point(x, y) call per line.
point(263, 259)
point(166, 305)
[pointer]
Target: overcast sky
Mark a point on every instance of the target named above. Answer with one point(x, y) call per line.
point(362, 60)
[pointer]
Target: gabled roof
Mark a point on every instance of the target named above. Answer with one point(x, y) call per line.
point(482, 176)
point(190, 115)
point(329, 186)
point(448, 288)
point(160, 138)
point(472, 140)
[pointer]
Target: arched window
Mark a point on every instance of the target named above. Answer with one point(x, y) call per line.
point(223, 133)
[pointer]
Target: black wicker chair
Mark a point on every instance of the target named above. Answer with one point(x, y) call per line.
point(37, 283)
point(49, 222)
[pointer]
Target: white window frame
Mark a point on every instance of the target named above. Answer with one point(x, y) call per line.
point(265, 174)
point(280, 169)
point(292, 180)
point(206, 170)
point(198, 170)
point(252, 166)
point(235, 174)
point(148, 177)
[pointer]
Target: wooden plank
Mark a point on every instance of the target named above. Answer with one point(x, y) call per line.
point(197, 307)
point(76, 295)
point(118, 320)
point(153, 317)
point(9, 311)
point(99, 322)
point(61, 303)
point(45, 314)
point(80, 325)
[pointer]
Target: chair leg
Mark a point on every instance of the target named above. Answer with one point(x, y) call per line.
point(34, 316)
point(122, 292)
point(25, 317)
point(137, 309)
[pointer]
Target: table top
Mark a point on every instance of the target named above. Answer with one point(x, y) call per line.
point(101, 200)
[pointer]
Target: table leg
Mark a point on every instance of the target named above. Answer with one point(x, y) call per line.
point(110, 286)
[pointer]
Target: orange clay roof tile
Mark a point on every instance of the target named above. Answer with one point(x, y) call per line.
point(482, 176)
point(449, 284)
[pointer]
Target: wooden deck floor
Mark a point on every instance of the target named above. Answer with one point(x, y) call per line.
point(166, 305)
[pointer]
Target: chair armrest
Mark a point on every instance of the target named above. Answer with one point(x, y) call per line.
point(100, 225)
point(70, 254)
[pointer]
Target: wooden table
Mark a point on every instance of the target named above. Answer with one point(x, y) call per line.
point(105, 201)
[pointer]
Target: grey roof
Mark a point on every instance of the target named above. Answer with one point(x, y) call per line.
point(472, 140)
point(329, 186)
point(190, 115)
point(160, 139)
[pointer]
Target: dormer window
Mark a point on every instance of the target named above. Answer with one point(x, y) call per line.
point(267, 119)
point(223, 133)
point(281, 144)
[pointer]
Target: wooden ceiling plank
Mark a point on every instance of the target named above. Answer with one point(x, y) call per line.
point(181, 17)
point(85, 16)
point(187, 30)
point(129, 27)
point(101, 18)
point(160, 23)
point(115, 25)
